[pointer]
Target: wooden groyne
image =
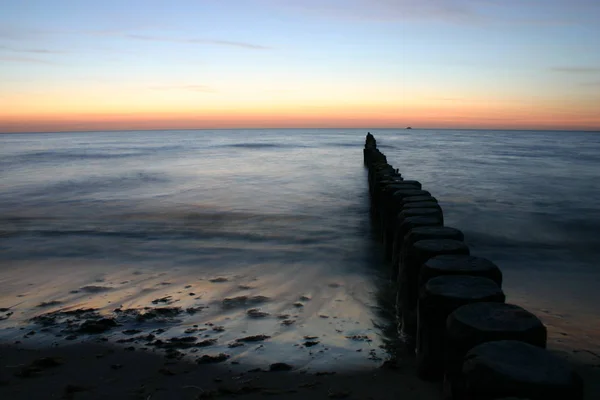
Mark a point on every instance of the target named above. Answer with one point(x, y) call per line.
point(450, 305)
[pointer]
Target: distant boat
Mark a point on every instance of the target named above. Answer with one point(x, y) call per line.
point(408, 127)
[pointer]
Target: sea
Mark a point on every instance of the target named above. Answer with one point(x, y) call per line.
point(260, 241)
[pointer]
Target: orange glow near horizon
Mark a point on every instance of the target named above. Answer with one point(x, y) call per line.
point(351, 118)
point(420, 113)
point(308, 104)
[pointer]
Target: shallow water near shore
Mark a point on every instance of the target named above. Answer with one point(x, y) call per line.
point(258, 244)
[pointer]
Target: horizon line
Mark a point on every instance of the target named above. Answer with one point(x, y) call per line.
point(282, 128)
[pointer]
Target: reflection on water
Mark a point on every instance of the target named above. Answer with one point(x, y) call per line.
point(241, 233)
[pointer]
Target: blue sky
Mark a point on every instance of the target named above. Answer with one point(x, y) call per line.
point(72, 57)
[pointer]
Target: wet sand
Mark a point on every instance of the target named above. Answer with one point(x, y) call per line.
point(308, 316)
point(146, 333)
point(103, 372)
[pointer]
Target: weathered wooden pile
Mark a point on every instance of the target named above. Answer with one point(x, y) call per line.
point(450, 305)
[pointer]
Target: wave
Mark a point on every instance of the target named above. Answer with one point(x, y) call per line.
point(74, 155)
point(261, 145)
point(170, 234)
point(73, 188)
point(246, 226)
point(575, 239)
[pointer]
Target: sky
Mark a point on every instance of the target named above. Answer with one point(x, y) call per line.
point(69, 65)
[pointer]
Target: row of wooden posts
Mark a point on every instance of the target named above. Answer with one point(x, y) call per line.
point(450, 304)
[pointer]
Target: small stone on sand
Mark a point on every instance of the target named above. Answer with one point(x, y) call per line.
point(256, 313)
point(206, 359)
point(280, 367)
point(254, 338)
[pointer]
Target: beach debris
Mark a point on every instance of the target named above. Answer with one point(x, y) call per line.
point(373, 355)
point(206, 358)
point(305, 298)
point(66, 316)
point(288, 322)
point(254, 338)
point(359, 338)
point(219, 280)
point(298, 304)
point(185, 342)
point(235, 344)
point(323, 316)
point(280, 367)
point(241, 301)
point(244, 287)
point(311, 343)
point(94, 289)
point(206, 342)
point(97, 326)
point(153, 313)
point(173, 354)
point(147, 338)
point(256, 313)
point(166, 299)
point(184, 339)
point(6, 316)
point(131, 331)
point(194, 310)
point(49, 303)
point(218, 328)
point(283, 316)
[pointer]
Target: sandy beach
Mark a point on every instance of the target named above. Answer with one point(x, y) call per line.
point(96, 371)
point(145, 335)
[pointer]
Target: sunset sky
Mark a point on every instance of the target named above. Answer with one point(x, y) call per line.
point(158, 64)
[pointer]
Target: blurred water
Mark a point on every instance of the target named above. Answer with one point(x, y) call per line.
point(289, 209)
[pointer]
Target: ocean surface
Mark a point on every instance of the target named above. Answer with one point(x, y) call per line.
point(236, 233)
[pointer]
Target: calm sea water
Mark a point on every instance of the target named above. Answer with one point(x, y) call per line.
point(285, 214)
